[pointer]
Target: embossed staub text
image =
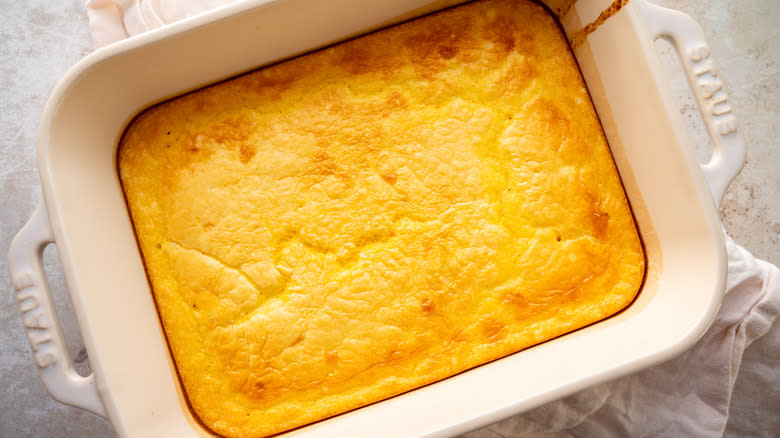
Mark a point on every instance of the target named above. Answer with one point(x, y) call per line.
point(36, 322)
point(715, 97)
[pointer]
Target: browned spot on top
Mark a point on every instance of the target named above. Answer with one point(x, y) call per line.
point(448, 52)
point(185, 152)
point(359, 57)
point(368, 115)
point(519, 74)
point(232, 129)
point(439, 41)
point(550, 114)
point(245, 152)
point(600, 222)
point(236, 131)
point(494, 330)
point(427, 306)
point(276, 79)
point(199, 105)
point(501, 33)
point(153, 122)
point(331, 357)
point(555, 122)
point(187, 141)
point(205, 100)
point(598, 217)
point(254, 388)
point(208, 225)
point(507, 36)
point(389, 177)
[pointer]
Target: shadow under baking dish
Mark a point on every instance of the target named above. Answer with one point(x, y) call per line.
point(305, 145)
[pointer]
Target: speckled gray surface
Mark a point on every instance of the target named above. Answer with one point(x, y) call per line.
point(40, 40)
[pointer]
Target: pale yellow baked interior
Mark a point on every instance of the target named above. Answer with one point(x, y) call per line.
point(358, 222)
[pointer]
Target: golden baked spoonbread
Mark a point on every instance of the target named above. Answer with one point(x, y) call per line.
point(378, 215)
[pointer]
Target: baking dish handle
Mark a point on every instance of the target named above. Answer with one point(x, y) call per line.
point(40, 320)
point(687, 37)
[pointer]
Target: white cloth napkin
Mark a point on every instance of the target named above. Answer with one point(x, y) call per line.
point(114, 20)
point(687, 396)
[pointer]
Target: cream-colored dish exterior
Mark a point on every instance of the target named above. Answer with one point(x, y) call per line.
point(88, 219)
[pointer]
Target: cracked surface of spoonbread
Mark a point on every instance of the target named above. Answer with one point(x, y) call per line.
point(378, 215)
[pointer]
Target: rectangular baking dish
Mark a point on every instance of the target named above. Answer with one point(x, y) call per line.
point(134, 383)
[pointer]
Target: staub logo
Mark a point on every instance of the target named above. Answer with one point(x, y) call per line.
point(711, 87)
point(35, 320)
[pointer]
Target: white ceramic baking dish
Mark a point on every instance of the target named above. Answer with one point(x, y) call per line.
point(134, 383)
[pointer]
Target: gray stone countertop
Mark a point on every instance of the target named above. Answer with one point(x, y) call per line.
point(40, 40)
